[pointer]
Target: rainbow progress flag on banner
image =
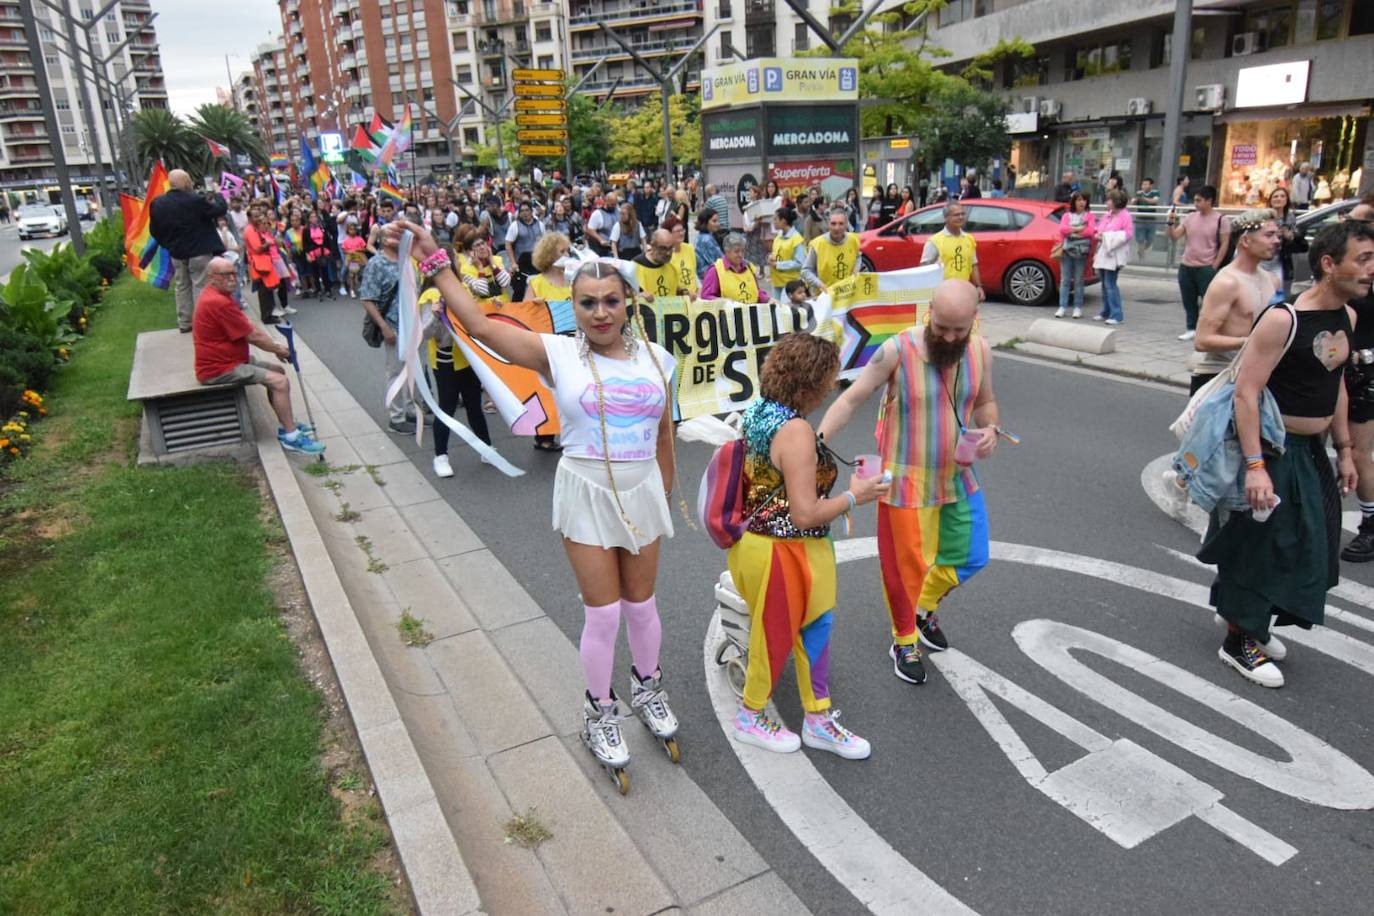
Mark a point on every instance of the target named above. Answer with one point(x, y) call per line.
point(147, 260)
point(280, 162)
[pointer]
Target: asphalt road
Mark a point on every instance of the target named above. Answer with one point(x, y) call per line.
point(11, 248)
point(1109, 815)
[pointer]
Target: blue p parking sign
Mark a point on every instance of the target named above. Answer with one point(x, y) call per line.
point(772, 79)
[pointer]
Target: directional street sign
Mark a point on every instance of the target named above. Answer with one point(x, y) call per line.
point(541, 120)
point(540, 149)
point(525, 75)
point(539, 89)
point(538, 136)
point(540, 105)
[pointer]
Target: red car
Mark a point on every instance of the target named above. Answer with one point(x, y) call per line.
point(1014, 238)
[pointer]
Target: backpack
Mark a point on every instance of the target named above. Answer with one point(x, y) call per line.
point(720, 495)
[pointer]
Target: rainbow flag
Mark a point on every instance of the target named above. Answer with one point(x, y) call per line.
point(386, 189)
point(280, 162)
point(321, 180)
point(398, 141)
point(295, 240)
point(147, 260)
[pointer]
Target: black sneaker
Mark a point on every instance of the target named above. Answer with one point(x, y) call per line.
point(931, 634)
point(401, 426)
point(907, 664)
point(1247, 656)
point(1361, 547)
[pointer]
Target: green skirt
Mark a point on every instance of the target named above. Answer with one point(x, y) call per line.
point(1280, 569)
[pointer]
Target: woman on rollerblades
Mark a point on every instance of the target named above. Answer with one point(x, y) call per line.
point(614, 397)
point(784, 564)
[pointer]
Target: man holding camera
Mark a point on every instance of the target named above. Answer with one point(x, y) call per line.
point(186, 224)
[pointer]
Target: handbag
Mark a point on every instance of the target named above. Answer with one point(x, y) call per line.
point(1228, 376)
point(1057, 251)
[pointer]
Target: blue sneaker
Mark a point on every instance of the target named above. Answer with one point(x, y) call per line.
point(300, 442)
point(300, 428)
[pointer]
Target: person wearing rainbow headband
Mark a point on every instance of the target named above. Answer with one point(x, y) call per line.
point(932, 525)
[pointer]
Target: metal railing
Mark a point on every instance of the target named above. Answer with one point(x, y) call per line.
point(644, 47)
point(633, 9)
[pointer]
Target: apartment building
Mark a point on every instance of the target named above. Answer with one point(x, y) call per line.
point(659, 30)
point(26, 150)
point(274, 115)
point(766, 28)
point(1268, 83)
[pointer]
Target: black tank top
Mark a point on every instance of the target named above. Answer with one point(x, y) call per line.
point(1307, 381)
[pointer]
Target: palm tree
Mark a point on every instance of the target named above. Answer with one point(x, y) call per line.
point(228, 127)
point(159, 134)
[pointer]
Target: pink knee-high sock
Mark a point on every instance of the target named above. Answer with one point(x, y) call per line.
point(599, 628)
point(645, 632)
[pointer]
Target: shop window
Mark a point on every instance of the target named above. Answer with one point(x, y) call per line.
point(1082, 63)
point(1274, 25)
point(1021, 72)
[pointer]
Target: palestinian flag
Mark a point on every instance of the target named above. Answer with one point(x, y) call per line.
point(217, 149)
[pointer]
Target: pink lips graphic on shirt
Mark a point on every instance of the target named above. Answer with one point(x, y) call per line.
point(628, 401)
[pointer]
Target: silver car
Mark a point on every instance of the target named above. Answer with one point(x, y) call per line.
point(41, 219)
point(1309, 222)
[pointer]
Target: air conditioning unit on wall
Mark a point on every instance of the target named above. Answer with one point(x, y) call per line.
point(1050, 108)
point(1210, 97)
point(1139, 107)
point(1030, 103)
point(1248, 43)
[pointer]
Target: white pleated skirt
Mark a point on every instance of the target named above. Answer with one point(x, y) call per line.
point(585, 510)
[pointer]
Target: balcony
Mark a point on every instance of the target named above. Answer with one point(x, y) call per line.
point(589, 16)
point(302, 71)
point(355, 90)
point(500, 12)
point(348, 61)
point(340, 8)
point(634, 84)
point(15, 135)
point(13, 38)
point(643, 48)
point(296, 29)
point(9, 114)
point(308, 111)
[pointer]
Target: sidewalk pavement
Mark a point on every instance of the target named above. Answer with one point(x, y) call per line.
point(489, 712)
point(1147, 344)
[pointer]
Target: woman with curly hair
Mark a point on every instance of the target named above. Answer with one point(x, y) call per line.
point(784, 564)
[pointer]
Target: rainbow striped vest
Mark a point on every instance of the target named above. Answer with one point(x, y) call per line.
point(917, 429)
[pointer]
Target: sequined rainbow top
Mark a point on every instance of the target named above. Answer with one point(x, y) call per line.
point(762, 420)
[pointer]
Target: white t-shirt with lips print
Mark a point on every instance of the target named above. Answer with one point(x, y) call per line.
point(634, 395)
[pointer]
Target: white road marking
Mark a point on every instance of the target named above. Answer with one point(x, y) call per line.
point(1120, 789)
point(1315, 772)
point(842, 841)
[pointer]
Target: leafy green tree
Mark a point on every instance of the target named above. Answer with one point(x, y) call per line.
point(159, 134)
point(638, 136)
point(589, 131)
point(229, 127)
point(964, 124)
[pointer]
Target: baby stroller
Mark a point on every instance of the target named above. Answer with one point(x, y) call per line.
point(732, 653)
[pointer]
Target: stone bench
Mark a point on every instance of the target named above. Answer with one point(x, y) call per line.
point(183, 420)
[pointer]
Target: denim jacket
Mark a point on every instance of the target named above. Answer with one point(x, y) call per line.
point(1209, 460)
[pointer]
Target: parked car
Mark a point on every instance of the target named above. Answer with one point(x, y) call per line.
point(1309, 222)
point(41, 219)
point(1014, 238)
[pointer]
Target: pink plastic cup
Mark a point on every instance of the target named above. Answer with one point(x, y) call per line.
point(869, 466)
point(967, 450)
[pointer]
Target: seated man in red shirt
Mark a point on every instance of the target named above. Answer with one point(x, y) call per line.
point(222, 332)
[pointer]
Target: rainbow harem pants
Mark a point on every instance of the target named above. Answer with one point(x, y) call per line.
point(925, 553)
point(789, 585)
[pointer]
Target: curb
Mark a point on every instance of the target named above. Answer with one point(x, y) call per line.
point(439, 880)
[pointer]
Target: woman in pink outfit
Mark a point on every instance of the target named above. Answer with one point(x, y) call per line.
point(1076, 230)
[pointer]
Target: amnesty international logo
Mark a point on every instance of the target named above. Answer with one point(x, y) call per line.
point(960, 261)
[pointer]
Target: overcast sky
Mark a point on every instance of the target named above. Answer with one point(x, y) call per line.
point(194, 36)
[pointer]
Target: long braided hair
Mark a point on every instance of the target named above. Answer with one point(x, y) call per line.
point(600, 270)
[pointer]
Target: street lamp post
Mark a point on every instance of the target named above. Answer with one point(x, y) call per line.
point(664, 79)
point(495, 115)
point(59, 153)
point(449, 127)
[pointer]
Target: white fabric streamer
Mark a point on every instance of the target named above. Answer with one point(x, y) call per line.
point(413, 378)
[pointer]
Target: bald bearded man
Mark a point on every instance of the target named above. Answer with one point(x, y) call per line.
point(184, 223)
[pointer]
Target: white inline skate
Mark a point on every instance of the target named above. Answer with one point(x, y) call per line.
point(601, 733)
point(733, 651)
point(650, 703)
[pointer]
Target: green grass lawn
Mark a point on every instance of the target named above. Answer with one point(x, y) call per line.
point(159, 744)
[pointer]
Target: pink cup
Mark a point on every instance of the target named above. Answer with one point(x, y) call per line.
point(967, 450)
point(869, 466)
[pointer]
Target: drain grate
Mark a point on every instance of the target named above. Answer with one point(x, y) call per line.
point(203, 420)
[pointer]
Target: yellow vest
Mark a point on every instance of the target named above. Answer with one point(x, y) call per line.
point(467, 269)
point(549, 292)
point(836, 262)
point(741, 287)
point(785, 249)
point(658, 281)
point(427, 300)
point(685, 260)
point(956, 254)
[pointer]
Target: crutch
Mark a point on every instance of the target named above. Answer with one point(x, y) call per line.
point(289, 332)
